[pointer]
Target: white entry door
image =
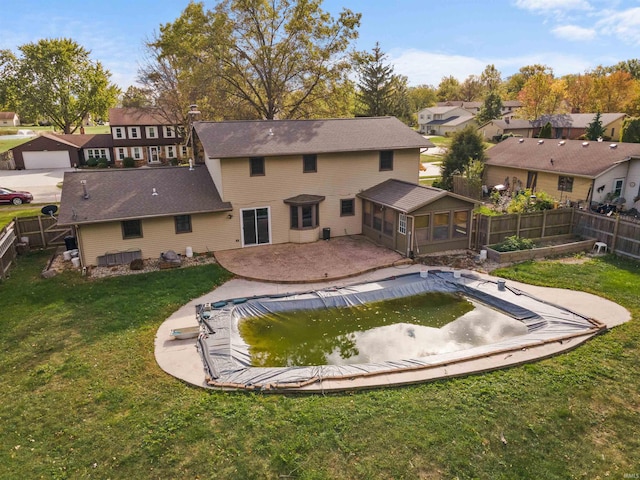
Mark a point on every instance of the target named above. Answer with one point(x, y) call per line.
point(154, 154)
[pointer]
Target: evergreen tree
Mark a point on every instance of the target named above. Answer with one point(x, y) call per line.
point(375, 85)
point(630, 131)
point(595, 129)
point(545, 131)
point(492, 107)
point(466, 147)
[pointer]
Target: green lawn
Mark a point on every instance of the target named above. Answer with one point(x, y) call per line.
point(82, 396)
point(9, 212)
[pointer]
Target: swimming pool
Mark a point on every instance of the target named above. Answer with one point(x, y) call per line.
point(541, 328)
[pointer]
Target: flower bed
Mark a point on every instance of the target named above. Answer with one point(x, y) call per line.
point(545, 247)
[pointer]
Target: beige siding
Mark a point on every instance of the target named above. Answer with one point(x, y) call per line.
point(209, 232)
point(546, 182)
point(338, 176)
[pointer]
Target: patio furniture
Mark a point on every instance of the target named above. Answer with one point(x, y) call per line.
point(600, 247)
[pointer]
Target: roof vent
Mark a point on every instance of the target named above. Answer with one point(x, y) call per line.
point(613, 145)
point(521, 140)
point(154, 192)
point(540, 142)
point(85, 194)
point(585, 144)
point(561, 142)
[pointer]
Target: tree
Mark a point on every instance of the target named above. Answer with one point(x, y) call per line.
point(8, 87)
point(491, 108)
point(630, 131)
point(546, 131)
point(612, 91)
point(59, 81)
point(540, 95)
point(375, 83)
point(516, 82)
point(471, 89)
point(595, 129)
point(421, 96)
point(448, 89)
point(466, 146)
point(264, 59)
point(578, 92)
point(137, 97)
point(490, 78)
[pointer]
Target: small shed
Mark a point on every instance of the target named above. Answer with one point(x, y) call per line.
point(415, 219)
point(9, 119)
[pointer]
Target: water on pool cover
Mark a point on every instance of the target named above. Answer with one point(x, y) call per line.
point(398, 329)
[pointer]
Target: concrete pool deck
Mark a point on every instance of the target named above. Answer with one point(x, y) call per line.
point(181, 359)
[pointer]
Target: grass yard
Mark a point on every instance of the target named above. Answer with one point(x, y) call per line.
point(9, 212)
point(82, 396)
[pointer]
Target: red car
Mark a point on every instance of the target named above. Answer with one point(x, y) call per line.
point(11, 196)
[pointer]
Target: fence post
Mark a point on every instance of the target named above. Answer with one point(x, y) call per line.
point(42, 235)
point(518, 225)
point(488, 240)
point(615, 233)
point(544, 223)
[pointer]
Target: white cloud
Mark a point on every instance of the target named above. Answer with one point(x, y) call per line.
point(625, 25)
point(574, 33)
point(429, 68)
point(552, 6)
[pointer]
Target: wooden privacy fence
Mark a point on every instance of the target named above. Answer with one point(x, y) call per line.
point(41, 231)
point(621, 234)
point(7, 249)
point(547, 223)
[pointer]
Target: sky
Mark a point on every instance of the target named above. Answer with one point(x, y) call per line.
point(423, 40)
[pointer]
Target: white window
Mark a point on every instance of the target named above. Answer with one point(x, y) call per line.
point(96, 153)
point(402, 224)
point(185, 150)
point(118, 132)
point(122, 153)
point(137, 153)
point(152, 132)
point(170, 151)
point(134, 132)
point(169, 132)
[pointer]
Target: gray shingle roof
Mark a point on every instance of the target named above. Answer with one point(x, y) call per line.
point(570, 157)
point(575, 120)
point(264, 138)
point(95, 140)
point(405, 196)
point(119, 194)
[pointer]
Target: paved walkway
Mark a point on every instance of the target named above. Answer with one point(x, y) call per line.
point(181, 359)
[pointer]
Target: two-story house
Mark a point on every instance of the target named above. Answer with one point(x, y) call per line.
point(444, 120)
point(145, 135)
point(267, 182)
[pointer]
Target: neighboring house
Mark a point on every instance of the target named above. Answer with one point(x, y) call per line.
point(145, 135)
point(267, 182)
point(509, 107)
point(443, 120)
point(568, 170)
point(50, 150)
point(9, 119)
point(493, 130)
point(572, 126)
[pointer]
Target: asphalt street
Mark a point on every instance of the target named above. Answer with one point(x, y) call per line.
point(43, 184)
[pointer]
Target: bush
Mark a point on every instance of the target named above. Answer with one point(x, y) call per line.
point(103, 163)
point(92, 162)
point(514, 243)
point(128, 162)
point(173, 162)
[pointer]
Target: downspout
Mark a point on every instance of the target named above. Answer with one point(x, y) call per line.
point(76, 229)
point(411, 233)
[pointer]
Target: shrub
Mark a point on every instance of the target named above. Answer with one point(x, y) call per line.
point(128, 162)
point(173, 162)
point(92, 162)
point(513, 243)
point(136, 264)
point(103, 163)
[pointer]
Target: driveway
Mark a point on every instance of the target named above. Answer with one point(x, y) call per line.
point(41, 183)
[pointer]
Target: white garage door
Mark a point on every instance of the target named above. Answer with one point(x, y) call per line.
point(51, 159)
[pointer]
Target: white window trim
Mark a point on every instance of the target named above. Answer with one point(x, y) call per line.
point(151, 129)
point(167, 152)
point(137, 153)
point(121, 153)
point(134, 129)
point(169, 132)
point(121, 130)
point(402, 224)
